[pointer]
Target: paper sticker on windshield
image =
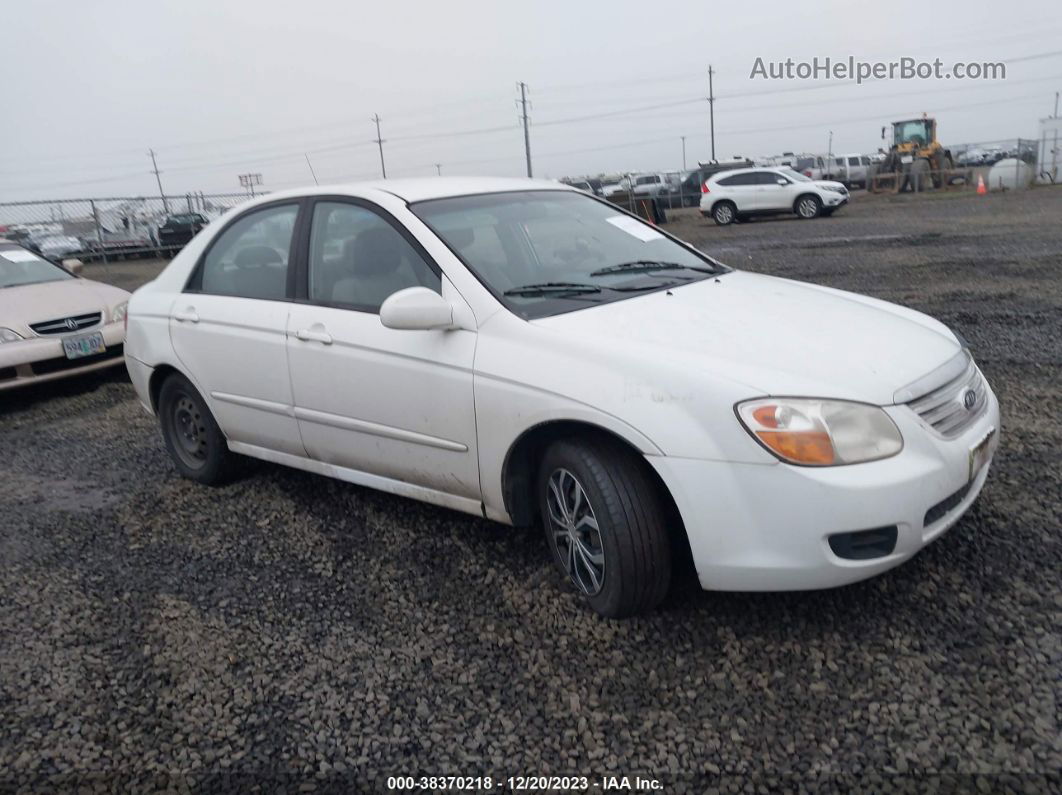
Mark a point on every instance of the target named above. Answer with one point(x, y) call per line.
point(18, 255)
point(634, 227)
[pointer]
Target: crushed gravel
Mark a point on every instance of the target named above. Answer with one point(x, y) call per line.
point(292, 628)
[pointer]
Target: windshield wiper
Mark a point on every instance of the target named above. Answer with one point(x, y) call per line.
point(560, 289)
point(647, 265)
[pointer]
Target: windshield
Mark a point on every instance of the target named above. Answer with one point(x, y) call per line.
point(19, 266)
point(796, 176)
point(547, 252)
point(912, 132)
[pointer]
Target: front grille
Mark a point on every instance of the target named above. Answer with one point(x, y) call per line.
point(46, 366)
point(944, 408)
point(7, 373)
point(945, 506)
point(65, 325)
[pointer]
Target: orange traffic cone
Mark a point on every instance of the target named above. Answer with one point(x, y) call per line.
point(981, 189)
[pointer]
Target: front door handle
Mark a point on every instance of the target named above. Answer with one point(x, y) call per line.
point(189, 315)
point(317, 334)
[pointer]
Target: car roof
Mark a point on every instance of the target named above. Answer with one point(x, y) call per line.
point(422, 189)
point(731, 172)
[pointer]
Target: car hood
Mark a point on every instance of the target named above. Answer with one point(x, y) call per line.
point(33, 303)
point(829, 183)
point(772, 335)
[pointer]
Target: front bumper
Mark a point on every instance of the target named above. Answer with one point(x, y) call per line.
point(40, 359)
point(766, 527)
point(833, 199)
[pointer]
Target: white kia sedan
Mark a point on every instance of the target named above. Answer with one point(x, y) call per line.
point(522, 351)
point(741, 194)
point(54, 324)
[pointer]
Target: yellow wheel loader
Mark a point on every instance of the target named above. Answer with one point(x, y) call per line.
point(915, 160)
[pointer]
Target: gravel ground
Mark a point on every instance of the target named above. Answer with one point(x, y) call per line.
point(289, 627)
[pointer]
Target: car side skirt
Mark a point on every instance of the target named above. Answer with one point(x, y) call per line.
point(389, 485)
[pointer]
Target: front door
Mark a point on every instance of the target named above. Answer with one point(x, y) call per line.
point(391, 403)
point(229, 326)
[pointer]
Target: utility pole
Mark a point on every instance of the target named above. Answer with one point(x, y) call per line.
point(683, 137)
point(158, 179)
point(527, 133)
point(1056, 104)
point(829, 155)
point(308, 163)
point(711, 110)
point(380, 143)
point(438, 169)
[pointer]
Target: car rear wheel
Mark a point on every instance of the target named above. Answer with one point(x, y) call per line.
point(724, 213)
point(193, 439)
point(808, 206)
point(605, 525)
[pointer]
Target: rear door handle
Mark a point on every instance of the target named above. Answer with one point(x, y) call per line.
point(189, 315)
point(311, 335)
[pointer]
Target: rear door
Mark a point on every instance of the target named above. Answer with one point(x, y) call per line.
point(743, 190)
point(228, 328)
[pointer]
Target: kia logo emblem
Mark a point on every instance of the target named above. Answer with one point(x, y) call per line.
point(969, 399)
point(71, 323)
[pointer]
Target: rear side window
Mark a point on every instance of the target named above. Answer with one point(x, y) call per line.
point(740, 179)
point(250, 258)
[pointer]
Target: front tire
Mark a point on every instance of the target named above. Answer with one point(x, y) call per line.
point(194, 440)
point(724, 213)
point(808, 206)
point(605, 525)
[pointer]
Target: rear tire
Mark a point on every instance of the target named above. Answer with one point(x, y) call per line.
point(724, 213)
point(194, 440)
point(605, 525)
point(808, 206)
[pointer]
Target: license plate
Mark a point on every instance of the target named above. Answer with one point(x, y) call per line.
point(907, 159)
point(980, 453)
point(86, 345)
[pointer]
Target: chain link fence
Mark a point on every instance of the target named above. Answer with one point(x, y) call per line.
point(111, 228)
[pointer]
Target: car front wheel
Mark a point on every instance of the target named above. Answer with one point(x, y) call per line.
point(193, 439)
point(808, 206)
point(605, 524)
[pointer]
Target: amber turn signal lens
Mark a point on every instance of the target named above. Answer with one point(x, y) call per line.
point(805, 447)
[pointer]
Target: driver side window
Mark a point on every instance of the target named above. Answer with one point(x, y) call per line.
point(357, 259)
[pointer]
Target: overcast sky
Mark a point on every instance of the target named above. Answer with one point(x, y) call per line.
point(220, 88)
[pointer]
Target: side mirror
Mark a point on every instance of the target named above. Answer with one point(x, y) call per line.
point(75, 266)
point(417, 309)
point(783, 181)
point(883, 133)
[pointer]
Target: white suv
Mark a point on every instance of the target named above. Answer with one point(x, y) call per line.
point(736, 195)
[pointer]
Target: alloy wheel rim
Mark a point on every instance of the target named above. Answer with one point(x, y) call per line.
point(807, 208)
point(189, 431)
point(574, 532)
point(724, 214)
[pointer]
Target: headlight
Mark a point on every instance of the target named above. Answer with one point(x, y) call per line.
point(834, 188)
point(7, 335)
point(118, 313)
point(821, 432)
